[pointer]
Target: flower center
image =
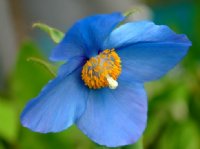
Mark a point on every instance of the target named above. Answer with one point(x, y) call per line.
point(102, 70)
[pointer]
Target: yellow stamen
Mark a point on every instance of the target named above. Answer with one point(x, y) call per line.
point(102, 70)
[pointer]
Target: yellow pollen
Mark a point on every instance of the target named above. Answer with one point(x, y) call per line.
point(102, 70)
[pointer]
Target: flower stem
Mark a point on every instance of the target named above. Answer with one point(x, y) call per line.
point(45, 64)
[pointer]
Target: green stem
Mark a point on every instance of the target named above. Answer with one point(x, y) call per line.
point(45, 64)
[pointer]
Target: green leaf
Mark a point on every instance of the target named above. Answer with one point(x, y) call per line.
point(9, 121)
point(55, 34)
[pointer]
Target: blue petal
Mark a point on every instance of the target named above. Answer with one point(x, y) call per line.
point(142, 32)
point(86, 36)
point(150, 61)
point(58, 105)
point(71, 65)
point(147, 51)
point(115, 117)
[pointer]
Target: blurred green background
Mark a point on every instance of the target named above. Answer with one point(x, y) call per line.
point(174, 101)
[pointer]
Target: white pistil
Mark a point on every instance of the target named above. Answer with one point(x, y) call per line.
point(112, 83)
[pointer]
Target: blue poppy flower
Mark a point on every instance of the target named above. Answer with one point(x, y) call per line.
point(100, 87)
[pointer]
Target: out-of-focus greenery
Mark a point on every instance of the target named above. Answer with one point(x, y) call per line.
point(174, 101)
